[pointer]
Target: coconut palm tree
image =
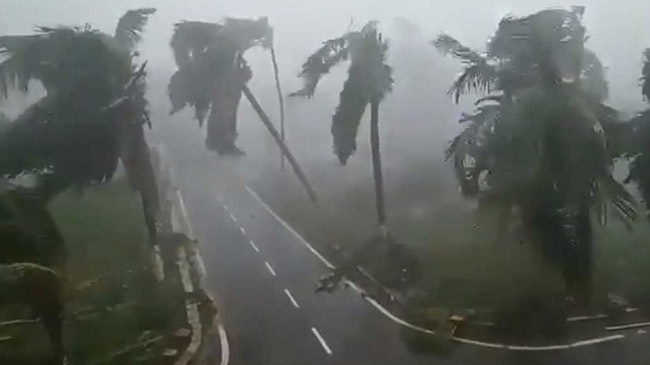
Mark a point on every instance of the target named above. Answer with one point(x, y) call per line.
point(92, 115)
point(369, 79)
point(212, 76)
point(537, 146)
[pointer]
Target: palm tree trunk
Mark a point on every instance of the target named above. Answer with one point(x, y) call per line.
point(578, 260)
point(376, 164)
point(276, 73)
point(278, 139)
point(135, 156)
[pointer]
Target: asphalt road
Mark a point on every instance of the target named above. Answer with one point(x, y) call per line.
point(263, 277)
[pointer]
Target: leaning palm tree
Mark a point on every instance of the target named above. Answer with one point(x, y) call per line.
point(92, 115)
point(369, 79)
point(212, 76)
point(537, 146)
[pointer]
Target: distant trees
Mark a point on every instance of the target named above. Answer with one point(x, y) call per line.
point(212, 76)
point(538, 146)
point(369, 80)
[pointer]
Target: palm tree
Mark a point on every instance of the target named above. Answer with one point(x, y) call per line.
point(638, 142)
point(537, 146)
point(92, 115)
point(212, 76)
point(369, 79)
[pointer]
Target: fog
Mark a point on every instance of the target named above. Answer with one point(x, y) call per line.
point(614, 30)
point(418, 118)
point(417, 121)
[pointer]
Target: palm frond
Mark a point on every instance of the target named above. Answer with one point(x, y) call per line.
point(191, 38)
point(246, 33)
point(57, 137)
point(222, 123)
point(130, 26)
point(625, 206)
point(69, 61)
point(593, 79)
point(14, 75)
point(19, 62)
point(186, 86)
point(369, 50)
point(12, 43)
point(479, 74)
point(73, 131)
point(320, 62)
point(353, 100)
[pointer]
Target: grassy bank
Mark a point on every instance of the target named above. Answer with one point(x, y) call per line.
point(462, 261)
point(113, 302)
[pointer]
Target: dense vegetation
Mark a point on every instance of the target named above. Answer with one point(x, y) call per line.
point(538, 153)
point(541, 145)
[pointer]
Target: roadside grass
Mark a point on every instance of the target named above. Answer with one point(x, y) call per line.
point(462, 261)
point(113, 300)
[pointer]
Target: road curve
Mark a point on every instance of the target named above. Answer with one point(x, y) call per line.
point(263, 277)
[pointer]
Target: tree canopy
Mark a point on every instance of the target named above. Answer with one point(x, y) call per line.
point(368, 77)
point(93, 111)
point(538, 144)
point(211, 71)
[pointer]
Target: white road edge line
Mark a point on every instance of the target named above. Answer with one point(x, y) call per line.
point(243, 231)
point(291, 298)
point(225, 346)
point(195, 257)
point(321, 340)
point(268, 266)
point(254, 246)
point(290, 229)
point(402, 322)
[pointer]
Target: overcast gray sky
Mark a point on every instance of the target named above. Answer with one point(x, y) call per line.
point(619, 29)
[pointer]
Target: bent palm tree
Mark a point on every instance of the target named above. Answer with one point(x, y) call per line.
point(212, 75)
point(538, 144)
point(369, 79)
point(92, 115)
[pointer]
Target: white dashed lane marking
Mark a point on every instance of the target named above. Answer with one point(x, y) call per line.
point(291, 298)
point(268, 266)
point(243, 231)
point(321, 340)
point(254, 246)
point(234, 219)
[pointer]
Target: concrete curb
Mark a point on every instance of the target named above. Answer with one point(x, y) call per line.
point(191, 269)
point(191, 307)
